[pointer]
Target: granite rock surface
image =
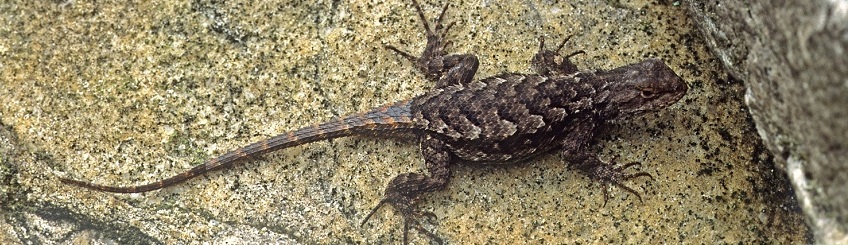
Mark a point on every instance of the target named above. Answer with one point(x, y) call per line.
point(792, 57)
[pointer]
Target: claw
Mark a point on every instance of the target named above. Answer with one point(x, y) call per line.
point(409, 219)
point(442, 14)
point(426, 232)
point(418, 227)
point(447, 43)
point(631, 176)
point(431, 217)
point(626, 166)
point(401, 53)
point(415, 224)
point(541, 44)
point(575, 53)
point(628, 189)
point(374, 210)
point(422, 17)
point(609, 175)
point(446, 29)
point(562, 44)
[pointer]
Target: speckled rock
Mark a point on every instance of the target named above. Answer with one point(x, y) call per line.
point(792, 56)
point(124, 94)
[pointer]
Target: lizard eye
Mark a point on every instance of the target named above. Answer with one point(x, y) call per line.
point(647, 94)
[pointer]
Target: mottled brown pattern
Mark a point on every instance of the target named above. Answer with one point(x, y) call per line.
point(497, 120)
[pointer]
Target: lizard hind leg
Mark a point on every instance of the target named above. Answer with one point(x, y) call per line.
point(403, 191)
point(430, 61)
point(434, 62)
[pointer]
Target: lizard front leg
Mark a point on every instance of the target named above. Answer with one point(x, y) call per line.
point(551, 63)
point(444, 70)
point(405, 189)
point(580, 158)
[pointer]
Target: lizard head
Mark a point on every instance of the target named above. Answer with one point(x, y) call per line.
point(645, 86)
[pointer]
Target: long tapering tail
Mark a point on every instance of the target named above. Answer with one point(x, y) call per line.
point(387, 118)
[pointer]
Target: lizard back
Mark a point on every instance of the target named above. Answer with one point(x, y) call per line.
point(506, 117)
point(514, 116)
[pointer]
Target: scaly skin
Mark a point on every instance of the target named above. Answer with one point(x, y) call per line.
point(394, 117)
point(502, 119)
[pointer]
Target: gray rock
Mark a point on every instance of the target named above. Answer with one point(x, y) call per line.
point(792, 57)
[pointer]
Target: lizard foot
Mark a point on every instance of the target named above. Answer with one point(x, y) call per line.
point(547, 62)
point(402, 193)
point(608, 175)
point(431, 61)
point(411, 215)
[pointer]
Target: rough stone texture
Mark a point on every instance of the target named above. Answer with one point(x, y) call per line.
point(793, 57)
point(123, 93)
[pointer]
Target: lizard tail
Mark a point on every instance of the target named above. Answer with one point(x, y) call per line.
point(387, 118)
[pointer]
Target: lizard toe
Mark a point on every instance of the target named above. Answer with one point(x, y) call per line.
point(411, 215)
point(608, 174)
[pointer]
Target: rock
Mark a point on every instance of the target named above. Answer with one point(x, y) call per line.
point(792, 57)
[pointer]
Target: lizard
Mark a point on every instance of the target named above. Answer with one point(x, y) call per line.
point(503, 119)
